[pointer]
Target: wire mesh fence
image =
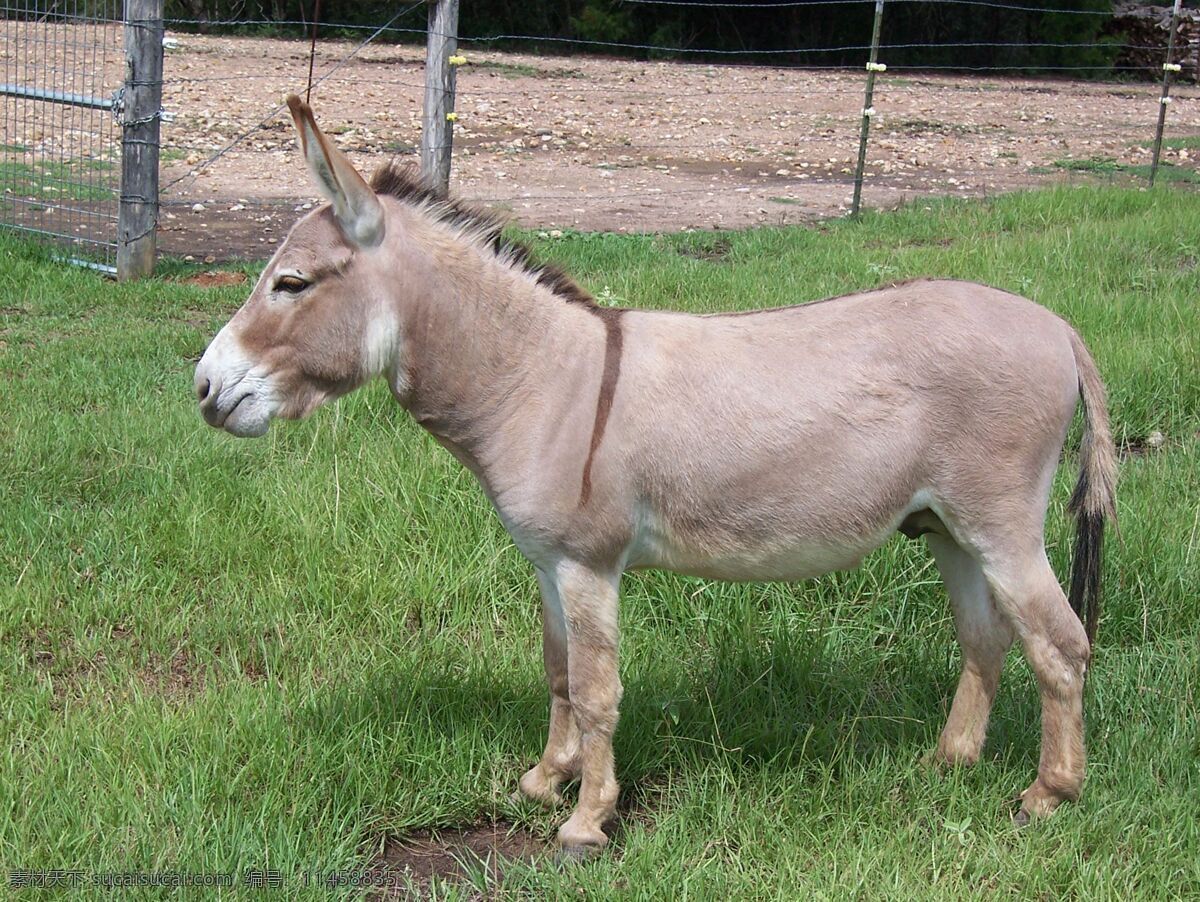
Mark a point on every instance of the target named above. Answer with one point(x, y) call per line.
point(577, 140)
point(60, 148)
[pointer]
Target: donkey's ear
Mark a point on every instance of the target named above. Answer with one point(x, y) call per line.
point(355, 206)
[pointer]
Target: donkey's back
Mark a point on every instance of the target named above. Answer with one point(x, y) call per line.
point(785, 443)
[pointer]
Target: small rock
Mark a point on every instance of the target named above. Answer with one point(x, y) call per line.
point(197, 208)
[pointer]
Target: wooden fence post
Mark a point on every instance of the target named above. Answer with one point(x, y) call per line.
point(868, 110)
point(437, 128)
point(1168, 67)
point(137, 215)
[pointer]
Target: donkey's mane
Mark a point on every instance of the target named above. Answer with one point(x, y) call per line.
point(404, 183)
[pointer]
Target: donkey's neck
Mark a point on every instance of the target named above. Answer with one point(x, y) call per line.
point(488, 355)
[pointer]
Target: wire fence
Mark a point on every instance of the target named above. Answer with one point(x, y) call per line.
point(576, 140)
point(60, 148)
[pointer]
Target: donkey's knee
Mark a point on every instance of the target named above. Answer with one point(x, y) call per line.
point(1058, 650)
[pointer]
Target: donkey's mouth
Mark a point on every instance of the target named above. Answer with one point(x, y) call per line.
point(249, 417)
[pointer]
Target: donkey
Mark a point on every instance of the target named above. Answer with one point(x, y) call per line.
point(773, 445)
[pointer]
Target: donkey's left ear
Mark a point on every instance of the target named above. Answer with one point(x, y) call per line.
point(355, 206)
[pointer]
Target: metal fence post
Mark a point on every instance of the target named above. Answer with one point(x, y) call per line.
point(141, 108)
point(1169, 67)
point(437, 128)
point(868, 110)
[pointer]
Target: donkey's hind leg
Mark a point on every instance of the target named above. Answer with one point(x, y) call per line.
point(1056, 646)
point(984, 635)
point(561, 759)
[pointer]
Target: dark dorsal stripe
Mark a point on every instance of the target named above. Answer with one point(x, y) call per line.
point(613, 339)
point(405, 184)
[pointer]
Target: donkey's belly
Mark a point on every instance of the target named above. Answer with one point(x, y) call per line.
point(784, 558)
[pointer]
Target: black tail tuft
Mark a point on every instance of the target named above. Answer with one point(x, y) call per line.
point(1095, 495)
point(1085, 570)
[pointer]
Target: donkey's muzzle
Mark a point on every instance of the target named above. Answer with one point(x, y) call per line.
point(208, 394)
point(237, 411)
point(232, 395)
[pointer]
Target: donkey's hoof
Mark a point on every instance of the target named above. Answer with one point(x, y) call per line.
point(535, 786)
point(1040, 801)
point(572, 855)
point(944, 757)
point(579, 840)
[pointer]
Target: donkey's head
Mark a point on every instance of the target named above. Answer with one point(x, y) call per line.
point(318, 323)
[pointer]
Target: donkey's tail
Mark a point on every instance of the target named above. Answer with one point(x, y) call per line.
point(1095, 495)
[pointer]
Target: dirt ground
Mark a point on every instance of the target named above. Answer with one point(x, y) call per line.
point(583, 142)
point(412, 864)
point(587, 143)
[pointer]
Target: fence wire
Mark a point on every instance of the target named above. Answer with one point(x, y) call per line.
point(560, 141)
point(60, 146)
point(566, 140)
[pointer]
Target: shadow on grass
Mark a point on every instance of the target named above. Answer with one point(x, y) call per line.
point(783, 701)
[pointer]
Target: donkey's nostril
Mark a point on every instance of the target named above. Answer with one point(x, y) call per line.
point(202, 390)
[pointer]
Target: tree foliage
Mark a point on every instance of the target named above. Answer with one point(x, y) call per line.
point(807, 33)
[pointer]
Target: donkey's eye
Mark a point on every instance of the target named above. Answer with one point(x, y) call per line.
point(290, 284)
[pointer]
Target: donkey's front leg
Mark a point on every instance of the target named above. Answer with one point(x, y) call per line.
point(589, 605)
point(560, 760)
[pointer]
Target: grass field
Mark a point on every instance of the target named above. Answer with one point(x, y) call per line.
point(84, 180)
point(218, 655)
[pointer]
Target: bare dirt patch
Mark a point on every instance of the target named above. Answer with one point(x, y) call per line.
point(216, 278)
point(599, 144)
point(415, 861)
point(58, 662)
point(177, 678)
point(463, 855)
point(73, 671)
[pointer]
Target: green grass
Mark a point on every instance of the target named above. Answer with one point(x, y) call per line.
point(54, 181)
point(220, 654)
point(1183, 142)
point(1168, 172)
point(933, 127)
point(525, 70)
